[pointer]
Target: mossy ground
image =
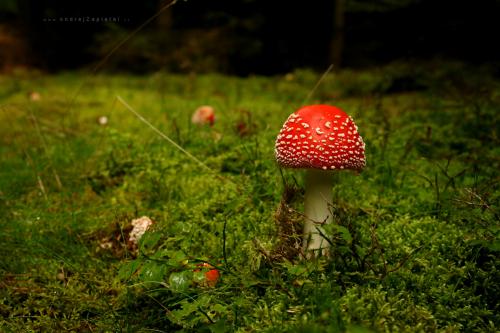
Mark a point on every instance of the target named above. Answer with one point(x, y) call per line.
point(415, 234)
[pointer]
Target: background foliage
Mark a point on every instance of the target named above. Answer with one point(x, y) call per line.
point(245, 37)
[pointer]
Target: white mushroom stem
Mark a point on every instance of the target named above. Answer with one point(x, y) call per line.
point(317, 209)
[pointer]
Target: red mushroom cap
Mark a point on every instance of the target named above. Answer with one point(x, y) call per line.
point(211, 275)
point(205, 114)
point(320, 137)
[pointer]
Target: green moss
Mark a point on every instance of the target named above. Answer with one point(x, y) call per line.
point(416, 233)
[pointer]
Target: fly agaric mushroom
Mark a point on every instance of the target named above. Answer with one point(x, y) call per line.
point(204, 115)
point(319, 138)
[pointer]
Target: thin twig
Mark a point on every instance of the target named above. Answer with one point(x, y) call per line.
point(328, 70)
point(159, 303)
point(206, 315)
point(163, 135)
point(38, 178)
point(404, 260)
point(42, 188)
point(224, 239)
point(176, 145)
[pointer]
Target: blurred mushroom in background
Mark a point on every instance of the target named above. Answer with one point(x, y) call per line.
point(102, 120)
point(34, 96)
point(205, 114)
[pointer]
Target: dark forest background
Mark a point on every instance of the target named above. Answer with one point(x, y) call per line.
point(246, 36)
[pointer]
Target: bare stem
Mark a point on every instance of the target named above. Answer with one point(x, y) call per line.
point(318, 199)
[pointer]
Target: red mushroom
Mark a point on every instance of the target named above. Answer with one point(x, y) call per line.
point(211, 274)
point(319, 138)
point(204, 115)
point(212, 277)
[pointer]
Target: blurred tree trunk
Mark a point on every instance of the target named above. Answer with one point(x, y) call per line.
point(164, 23)
point(337, 41)
point(31, 25)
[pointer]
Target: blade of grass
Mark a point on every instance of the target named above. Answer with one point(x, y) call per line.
point(309, 95)
point(40, 135)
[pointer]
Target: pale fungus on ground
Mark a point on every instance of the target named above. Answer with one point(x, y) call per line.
point(34, 96)
point(124, 239)
point(321, 139)
point(139, 227)
point(102, 120)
